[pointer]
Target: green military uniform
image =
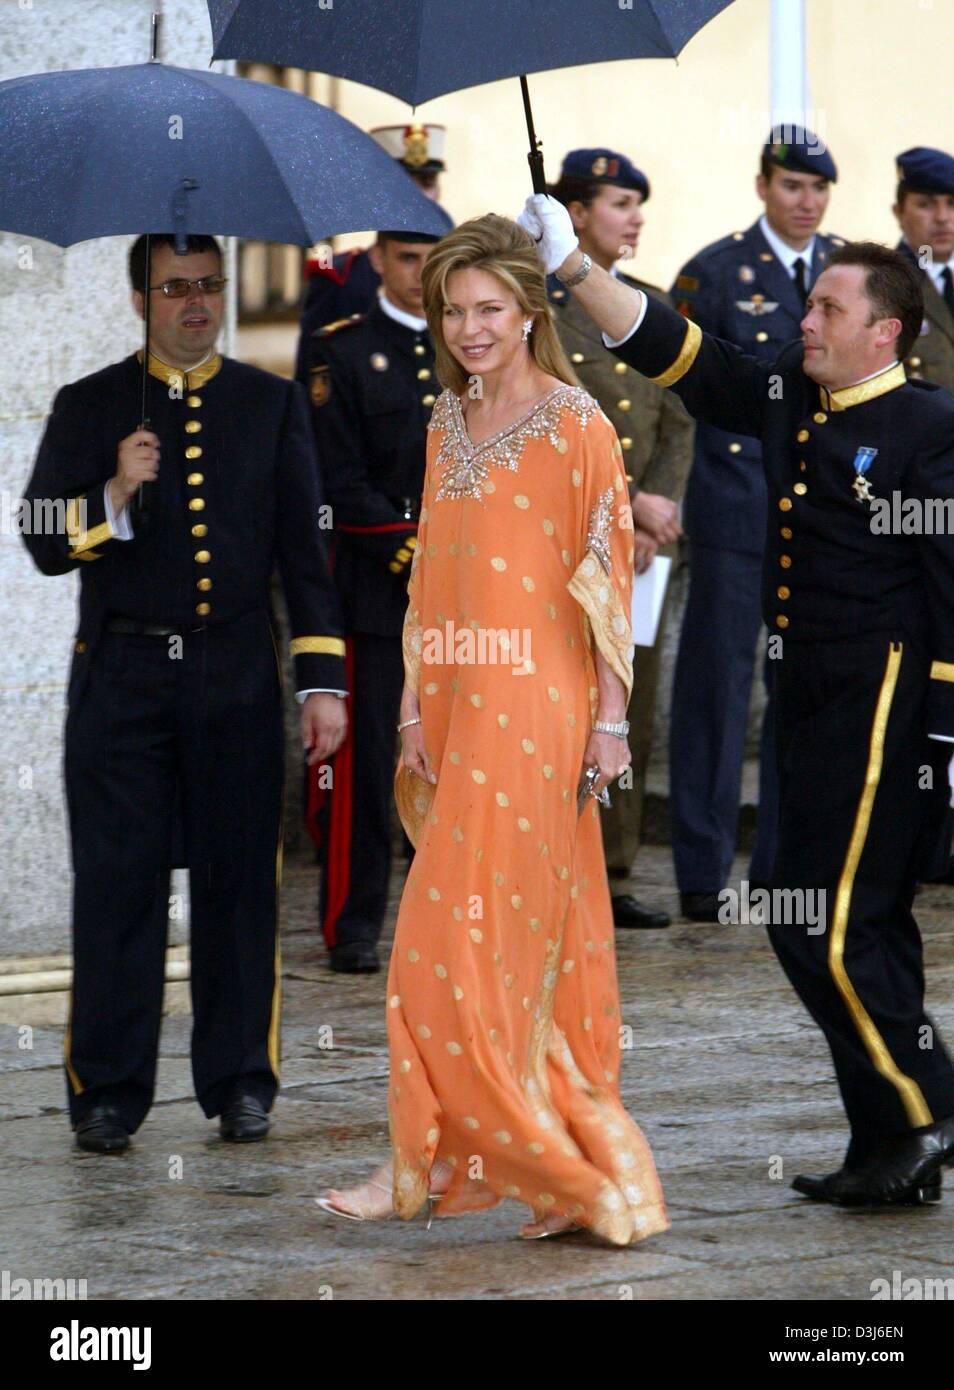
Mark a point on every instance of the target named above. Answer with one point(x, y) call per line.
point(657, 438)
point(932, 356)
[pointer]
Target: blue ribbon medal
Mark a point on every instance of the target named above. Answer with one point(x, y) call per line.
point(864, 458)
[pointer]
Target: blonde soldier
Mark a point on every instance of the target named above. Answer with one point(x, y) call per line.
point(604, 194)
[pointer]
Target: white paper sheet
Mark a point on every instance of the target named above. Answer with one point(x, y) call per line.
point(649, 590)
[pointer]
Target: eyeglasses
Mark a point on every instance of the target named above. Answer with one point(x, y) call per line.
point(178, 289)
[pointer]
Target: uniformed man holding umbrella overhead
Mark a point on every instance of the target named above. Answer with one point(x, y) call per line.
point(862, 618)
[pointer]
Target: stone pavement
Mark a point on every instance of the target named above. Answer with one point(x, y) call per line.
point(726, 1075)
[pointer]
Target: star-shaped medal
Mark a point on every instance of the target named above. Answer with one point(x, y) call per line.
point(863, 489)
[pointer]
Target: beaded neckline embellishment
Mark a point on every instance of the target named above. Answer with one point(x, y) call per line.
point(464, 465)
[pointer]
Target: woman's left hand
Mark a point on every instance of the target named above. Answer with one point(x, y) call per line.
point(610, 754)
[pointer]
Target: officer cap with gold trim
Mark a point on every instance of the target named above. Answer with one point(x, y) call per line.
point(420, 148)
point(925, 170)
point(605, 166)
point(795, 147)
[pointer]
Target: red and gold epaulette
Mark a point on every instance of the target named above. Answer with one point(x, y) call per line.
point(338, 324)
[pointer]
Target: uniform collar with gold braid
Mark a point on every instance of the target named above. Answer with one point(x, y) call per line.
point(191, 380)
point(888, 380)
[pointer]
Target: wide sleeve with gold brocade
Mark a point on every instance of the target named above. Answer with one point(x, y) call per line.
point(602, 582)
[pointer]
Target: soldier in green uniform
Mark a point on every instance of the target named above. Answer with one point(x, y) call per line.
point(604, 194)
point(925, 213)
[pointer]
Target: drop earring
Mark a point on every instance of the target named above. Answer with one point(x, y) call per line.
point(527, 326)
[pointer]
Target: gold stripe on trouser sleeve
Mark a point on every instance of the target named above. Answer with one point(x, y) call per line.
point(274, 1022)
point(909, 1091)
point(67, 1049)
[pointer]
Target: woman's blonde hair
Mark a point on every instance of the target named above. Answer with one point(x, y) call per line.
point(499, 246)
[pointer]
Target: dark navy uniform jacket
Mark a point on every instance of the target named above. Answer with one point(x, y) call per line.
point(237, 493)
point(828, 572)
point(349, 286)
point(738, 289)
point(372, 386)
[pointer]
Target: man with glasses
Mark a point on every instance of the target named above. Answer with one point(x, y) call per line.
point(174, 699)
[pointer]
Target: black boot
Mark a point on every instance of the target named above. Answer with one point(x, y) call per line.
point(103, 1131)
point(244, 1119)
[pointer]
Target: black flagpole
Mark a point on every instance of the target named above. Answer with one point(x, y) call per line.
point(535, 154)
point(141, 496)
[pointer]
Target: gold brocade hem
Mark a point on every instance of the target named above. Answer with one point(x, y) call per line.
point(599, 598)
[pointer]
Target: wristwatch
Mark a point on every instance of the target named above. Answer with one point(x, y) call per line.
point(617, 730)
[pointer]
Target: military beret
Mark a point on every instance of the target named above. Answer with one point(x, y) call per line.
point(797, 148)
point(605, 166)
point(923, 170)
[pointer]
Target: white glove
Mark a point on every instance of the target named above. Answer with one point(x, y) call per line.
point(950, 780)
point(548, 222)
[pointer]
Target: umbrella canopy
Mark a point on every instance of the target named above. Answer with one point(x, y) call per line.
point(419, 49)
point(150, 148)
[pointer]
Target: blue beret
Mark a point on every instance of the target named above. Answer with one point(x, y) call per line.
point(605, 166)
point(923, 170)
point(794, 147)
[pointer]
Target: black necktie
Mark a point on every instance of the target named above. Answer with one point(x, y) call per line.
point(947, 281)
point(801, 279)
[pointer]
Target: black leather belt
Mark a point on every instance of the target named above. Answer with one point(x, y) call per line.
point(129, 625)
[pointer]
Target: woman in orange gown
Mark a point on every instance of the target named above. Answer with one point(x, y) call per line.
point(502, 1002)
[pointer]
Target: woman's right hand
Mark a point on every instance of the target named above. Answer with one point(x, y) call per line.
point(414, 754)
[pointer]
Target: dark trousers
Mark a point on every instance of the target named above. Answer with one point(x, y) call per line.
point(151, 736)
point(858, 781)
point(354, 822)
point(712, 684)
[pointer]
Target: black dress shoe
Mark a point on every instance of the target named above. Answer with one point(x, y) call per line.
point(627, 912)
point(243, 1120)
point(902, 1169)
point(354, 958)
point(700, 907)
point(103, 1131)
point(839, 1189)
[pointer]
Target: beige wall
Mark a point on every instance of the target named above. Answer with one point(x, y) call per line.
point(879, 74)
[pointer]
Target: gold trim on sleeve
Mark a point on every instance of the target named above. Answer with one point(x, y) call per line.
point(319, 646)
point(598, 596)
point(942, 670)
point(687, 355)
point(82, 542)
point(909, 1091)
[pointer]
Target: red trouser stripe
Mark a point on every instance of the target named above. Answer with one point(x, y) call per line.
point(338, 859)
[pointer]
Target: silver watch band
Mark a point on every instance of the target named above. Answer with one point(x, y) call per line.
point(617, 730)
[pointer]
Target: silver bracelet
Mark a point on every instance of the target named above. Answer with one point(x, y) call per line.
point(617, 730)
point(407, 724)
point(580, 274)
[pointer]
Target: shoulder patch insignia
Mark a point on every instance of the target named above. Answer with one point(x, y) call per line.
point(319, 387)
point(338, 324)
point(688, 283)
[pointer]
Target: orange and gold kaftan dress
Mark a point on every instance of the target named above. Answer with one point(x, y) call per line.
point(502, 1003)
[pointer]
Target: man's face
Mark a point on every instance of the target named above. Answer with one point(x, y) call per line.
point(927, 219)
point(181, 331)
point(841, 345)
point(399, 263)
point(794, 203)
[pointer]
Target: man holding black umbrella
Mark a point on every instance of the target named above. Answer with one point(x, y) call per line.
point(174, 700)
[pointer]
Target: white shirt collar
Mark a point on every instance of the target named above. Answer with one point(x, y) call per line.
point(399, 316)
point(871, 375)
point(936, 269)
point(785, 253)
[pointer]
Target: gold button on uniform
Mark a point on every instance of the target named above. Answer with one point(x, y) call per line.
point(735, 448)
point(194, 479)
point(577, 357)
point(196, 504)
point(626, 442)
point(619, 369)
point(80, 648)
point(418, 350)
point(800, 488)
point(803, 436)
point(785, 561)
point(200, 530)
point(203, 584)
point(786, 533)
point(194, 401)
point(780, 619)
point(202, 557)
point(424, 374)
point(428, 399)
point(761, 337)
point(624, 404)
point(820, 417)
point(193, 426)
point(914, 361)
point(803, 466)
point(203, 609)
point(782, 591)
point(785, 504)
point(193, 452)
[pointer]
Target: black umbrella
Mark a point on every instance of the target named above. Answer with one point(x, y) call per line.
point(419, 49)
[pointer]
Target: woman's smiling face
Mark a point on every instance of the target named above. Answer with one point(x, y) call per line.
point(482, 321)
